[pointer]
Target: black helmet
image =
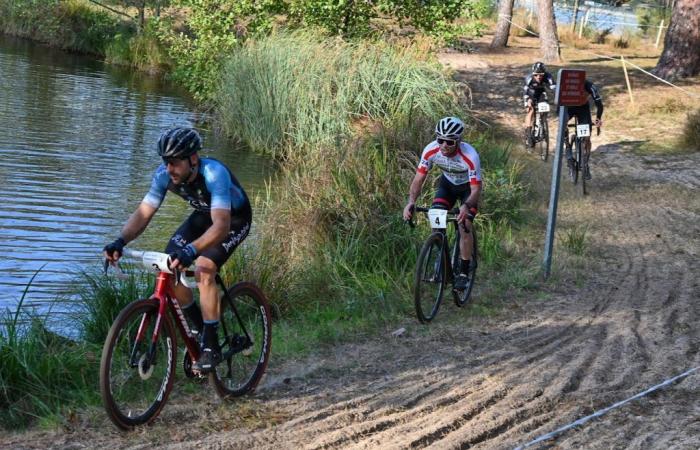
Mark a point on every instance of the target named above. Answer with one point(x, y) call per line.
point(449, 128)
point(179, 142)
point(538, 67)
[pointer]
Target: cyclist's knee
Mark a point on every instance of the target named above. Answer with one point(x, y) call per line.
point(205, 272)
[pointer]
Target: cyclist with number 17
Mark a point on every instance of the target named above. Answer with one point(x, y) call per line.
point(220, 222)
point(460, 180)
point(583, 117)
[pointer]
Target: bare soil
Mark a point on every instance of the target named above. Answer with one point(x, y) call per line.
point(574, 345)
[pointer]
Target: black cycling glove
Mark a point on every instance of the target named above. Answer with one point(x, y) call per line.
point(116, 246)
point(186, 255)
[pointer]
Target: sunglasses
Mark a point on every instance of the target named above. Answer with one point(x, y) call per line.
point(167, 161)
point(447, 142)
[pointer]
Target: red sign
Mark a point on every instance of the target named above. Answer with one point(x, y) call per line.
point(570, 87)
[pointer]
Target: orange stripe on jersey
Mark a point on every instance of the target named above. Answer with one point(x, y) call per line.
point(431, 152)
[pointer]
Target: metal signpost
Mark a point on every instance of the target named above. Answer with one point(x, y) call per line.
point(570, 92)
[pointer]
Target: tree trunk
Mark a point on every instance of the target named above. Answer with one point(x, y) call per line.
point(574, 17)
point(549, 42)
point(142, 16)
point(681, 55)
point(505, 15)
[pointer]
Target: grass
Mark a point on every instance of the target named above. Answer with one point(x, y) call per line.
point(575, 240)
point(332, 252)
point(34, 364)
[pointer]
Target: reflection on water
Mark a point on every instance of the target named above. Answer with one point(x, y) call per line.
point(77, 152)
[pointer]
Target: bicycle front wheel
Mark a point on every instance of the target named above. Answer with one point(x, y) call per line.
point(575, 162)
point(431, 271)
point(583, 162)
point(543, 138)
point(246, 329)
point(137, 373)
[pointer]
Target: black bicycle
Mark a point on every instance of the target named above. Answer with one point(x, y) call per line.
point(578, 165)
point(432, 273)
point(540, 130)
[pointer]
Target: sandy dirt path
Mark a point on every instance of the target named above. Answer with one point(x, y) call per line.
point(572, 348)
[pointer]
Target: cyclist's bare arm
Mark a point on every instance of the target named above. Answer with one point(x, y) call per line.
point(472, 201)
point(413, 193)
point(134, 226)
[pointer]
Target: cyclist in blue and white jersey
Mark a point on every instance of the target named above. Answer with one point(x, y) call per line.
point(220, 222)
point(460, 180)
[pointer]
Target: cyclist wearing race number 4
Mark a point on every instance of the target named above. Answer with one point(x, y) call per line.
point(220, 222)
point(460, 180)
point(534, 88)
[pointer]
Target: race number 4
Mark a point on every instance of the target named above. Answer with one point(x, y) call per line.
point(438, 218)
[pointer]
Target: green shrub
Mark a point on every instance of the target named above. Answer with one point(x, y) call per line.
point(69, 24)
point(690, 139)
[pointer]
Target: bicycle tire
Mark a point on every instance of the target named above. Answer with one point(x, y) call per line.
point(543, 139)
point(574, 168)
point(581, 168)
point(462, 297)
point(244, 361)
point(431, 271)
point(134, 394)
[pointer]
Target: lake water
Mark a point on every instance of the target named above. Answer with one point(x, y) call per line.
point(77, 152)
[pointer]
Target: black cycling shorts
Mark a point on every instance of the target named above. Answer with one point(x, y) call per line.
point(537, 97)
point(447, 194)
point(582, 114)
point(199, 222)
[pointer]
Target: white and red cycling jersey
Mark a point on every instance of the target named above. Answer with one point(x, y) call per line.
point(461, 168)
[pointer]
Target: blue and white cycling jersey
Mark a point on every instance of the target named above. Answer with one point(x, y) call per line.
point(215, 187)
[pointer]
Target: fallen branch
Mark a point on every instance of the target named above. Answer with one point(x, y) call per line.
point(116, 11)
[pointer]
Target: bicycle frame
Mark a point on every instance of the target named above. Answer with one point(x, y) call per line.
point(167, 302)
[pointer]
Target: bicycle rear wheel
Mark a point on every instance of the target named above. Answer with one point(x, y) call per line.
point(431, 271)
point(543, 138)
point(574, 166)
point(136, 375)
point(246, 330)
point(462, 297)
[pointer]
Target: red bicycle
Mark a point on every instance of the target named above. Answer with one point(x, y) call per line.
point(138, 363)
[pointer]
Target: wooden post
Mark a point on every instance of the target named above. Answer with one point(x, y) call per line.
point(627, 79)
point(658, 35)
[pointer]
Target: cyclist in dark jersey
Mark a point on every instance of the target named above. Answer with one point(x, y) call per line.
point(533, 92)
point(583, 115)
point(220, 222)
